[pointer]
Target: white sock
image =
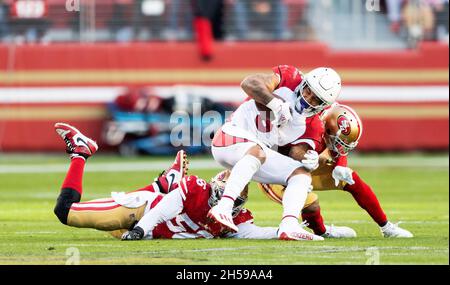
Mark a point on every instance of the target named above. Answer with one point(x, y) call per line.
point(294, 197)
point(240, 176)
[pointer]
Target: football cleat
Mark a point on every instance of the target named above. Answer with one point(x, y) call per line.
point(393, 230)
point(178, 170)
point(221, 216)
point(295, 231)
point(298, 235)
point(338, 232)
point(77, 144)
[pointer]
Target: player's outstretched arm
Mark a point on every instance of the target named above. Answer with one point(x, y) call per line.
point(168, 208)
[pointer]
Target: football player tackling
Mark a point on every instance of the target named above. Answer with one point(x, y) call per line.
point(245, 144)
point(334, 133)
point(149, 212)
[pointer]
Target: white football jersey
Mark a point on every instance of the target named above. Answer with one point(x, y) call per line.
point(250, 123)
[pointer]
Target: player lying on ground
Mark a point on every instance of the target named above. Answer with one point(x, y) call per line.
point(334, 133)
point(150, 213)
point(245, 144)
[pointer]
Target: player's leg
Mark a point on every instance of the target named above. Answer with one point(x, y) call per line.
point(245, 159)
point(312, 216)
point(71, 189)
point(79, 148)
point(104, 215)
point(281, 169)
point(169, 178)
point(173, 175)
point(366, 199)
point(361, 192)
point(109, 214)
point(363, 195)
point(294, 199)
point(121, 211)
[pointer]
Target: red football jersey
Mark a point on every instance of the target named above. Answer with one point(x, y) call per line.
point(314, 133)
point(192, 222)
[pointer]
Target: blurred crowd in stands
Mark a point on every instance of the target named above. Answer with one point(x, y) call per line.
point(140, 20)
point(144, 20)
point(425, 20)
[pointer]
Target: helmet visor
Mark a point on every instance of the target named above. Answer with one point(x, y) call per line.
point(308, 102)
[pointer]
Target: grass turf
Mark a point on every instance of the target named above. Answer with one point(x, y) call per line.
point(418, 196)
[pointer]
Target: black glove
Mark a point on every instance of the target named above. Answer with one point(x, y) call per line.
point(135, 234)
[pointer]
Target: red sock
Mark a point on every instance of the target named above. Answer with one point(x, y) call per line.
point(74, 176)
point(366, 199)
point(162, 186)
point(315, 221)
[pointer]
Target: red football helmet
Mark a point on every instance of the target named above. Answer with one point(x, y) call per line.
point(343, 128)
point(218, 187)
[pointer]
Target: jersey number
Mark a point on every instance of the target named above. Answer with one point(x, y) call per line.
point(202, 183)
point(263, 124)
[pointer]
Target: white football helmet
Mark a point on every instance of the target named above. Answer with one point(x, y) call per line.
point(218, 183)
point(325, 83)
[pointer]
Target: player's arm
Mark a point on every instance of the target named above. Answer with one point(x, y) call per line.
point(249, 230)
point(341, 172)
point(304, 153)
point(261, 86)
point(298, 151)
point(168, 208)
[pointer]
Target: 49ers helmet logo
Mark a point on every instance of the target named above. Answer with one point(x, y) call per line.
point(344, 125)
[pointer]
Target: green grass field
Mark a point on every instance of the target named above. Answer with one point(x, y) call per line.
point(412, 189)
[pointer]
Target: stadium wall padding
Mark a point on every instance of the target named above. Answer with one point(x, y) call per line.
point(406, 124)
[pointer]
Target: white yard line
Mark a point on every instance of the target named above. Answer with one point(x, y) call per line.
point(303, 250)
point(406, 222)
point(106, 167)
point(203, 164)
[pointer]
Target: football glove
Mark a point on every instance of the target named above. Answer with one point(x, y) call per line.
point(341, 173)
point(281, 111)
point(135, 234)
point(311, 160)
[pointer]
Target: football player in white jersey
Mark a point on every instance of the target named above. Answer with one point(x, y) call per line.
point(246, 142)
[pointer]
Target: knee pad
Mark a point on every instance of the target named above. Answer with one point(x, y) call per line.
point(65, 200)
